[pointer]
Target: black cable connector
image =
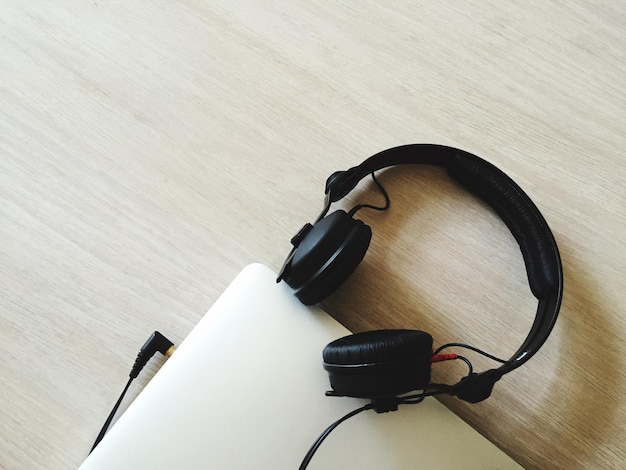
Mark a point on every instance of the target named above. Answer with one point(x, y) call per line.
point(156, 343)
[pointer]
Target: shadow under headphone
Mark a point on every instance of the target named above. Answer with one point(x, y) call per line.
point(385, 364)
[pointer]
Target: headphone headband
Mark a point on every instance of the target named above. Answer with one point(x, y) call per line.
point(509, 201)
point(490, 184)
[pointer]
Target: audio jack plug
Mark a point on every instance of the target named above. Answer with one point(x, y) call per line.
point(155, 343)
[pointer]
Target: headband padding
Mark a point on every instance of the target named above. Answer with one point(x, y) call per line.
point(520, 215)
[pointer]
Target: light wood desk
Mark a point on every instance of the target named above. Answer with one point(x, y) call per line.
point(149, 150)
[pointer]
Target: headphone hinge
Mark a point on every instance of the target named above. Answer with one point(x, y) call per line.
point(340, 183)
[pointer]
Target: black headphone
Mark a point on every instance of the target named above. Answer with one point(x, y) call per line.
point(384, 364)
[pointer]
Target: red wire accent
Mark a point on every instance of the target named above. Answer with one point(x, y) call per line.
point(443, 357)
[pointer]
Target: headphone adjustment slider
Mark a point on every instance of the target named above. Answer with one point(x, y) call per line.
point(340, 183)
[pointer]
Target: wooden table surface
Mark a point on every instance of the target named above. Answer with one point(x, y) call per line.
point(149, 150)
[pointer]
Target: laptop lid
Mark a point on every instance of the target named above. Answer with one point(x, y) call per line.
point(245, 390)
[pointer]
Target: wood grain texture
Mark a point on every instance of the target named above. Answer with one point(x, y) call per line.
point(149, 150)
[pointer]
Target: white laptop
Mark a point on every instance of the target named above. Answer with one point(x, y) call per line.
point(245, 390)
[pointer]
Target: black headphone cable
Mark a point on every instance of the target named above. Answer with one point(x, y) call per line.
point(155, 343)
point(327, 431)
point(385, 405)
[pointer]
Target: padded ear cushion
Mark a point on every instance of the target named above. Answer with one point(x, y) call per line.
point(379, 363)
point(326, 256)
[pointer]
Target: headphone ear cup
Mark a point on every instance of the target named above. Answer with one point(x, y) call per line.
point(381, 363)
point(326, 256)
